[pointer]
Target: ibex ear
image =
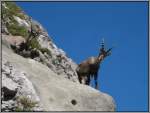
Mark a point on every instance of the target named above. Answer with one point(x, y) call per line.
point(108, 53)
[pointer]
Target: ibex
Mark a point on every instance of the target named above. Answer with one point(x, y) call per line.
point(90, 67)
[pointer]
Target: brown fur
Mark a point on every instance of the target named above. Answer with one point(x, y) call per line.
point(89, 68)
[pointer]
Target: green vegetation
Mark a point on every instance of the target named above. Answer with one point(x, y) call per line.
point(12, 9)
point(55, 61)
point(43, 50)
point(25, 104)
point(18, 109)
point(59, 58)
point(8, 11)
point(34, 44)
point(15, 29)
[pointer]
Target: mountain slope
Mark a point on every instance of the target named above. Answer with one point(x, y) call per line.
point(16, 23)
point(36, 74)
point(55, 92)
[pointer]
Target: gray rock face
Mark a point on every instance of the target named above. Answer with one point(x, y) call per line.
point(59, 62)
point(16, 84)
point(55, 92)
point(49, 79)
point(22, 22)
point(13, 40)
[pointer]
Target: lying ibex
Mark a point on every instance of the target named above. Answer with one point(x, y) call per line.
point(91, 66)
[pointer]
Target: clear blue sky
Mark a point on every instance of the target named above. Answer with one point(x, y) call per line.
point(78, 27)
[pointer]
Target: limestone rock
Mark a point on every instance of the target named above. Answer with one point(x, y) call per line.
point(43, 73)
point(15, 84)
point(55, 92)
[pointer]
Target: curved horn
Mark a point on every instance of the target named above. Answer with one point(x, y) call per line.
point(109, 50)
point(102, 43)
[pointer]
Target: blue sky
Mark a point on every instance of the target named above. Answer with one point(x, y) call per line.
point(78, 27)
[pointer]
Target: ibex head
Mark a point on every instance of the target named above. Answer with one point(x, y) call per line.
point(103, 52)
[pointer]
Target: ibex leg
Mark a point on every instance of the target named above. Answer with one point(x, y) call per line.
point(80, 79)
point(88, 80)
point(95, 78)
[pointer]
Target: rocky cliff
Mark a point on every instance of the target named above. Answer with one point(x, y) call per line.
point(36, 74)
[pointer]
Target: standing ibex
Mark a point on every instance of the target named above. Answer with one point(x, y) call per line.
point(91, 66)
